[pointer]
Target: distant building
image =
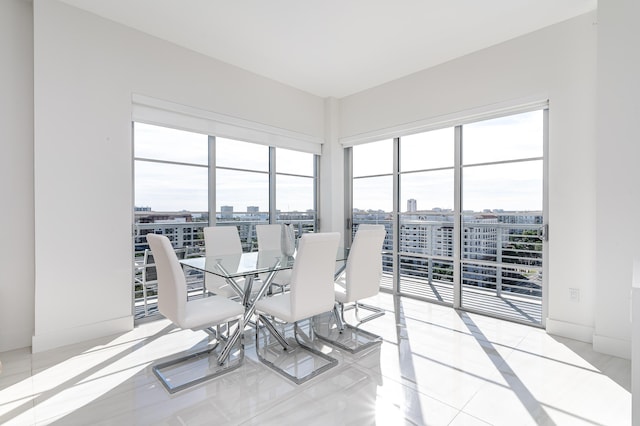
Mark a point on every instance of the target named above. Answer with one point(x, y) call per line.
point(485, 235)
point(412, 205)
point(148, 216)
point(226, 212)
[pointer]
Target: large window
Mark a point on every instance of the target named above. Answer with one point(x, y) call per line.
point(463, 207)
point(171, 185)
point(181, 179)
point(242, 186)
point(296, 191)
point(171, 190)
point(260, 184)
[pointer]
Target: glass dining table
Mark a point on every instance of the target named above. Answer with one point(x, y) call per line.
point(248, 265)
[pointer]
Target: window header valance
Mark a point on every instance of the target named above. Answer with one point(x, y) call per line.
point(150, 110)
point(462, 117)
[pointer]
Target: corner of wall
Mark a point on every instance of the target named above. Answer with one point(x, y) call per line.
point(332, 171)
point(612, 346)
point(570, 330)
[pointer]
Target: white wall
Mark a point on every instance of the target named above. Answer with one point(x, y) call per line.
point(16, 174)
point(618, 153)
point(558, 63)
point(86, 69)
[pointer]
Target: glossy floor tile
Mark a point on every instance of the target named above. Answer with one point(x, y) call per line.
point(435, 366)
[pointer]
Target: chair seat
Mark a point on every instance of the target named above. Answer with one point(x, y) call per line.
point(201, 313)
point(278, 306)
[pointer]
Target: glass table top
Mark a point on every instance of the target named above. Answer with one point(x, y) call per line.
point(257, 262)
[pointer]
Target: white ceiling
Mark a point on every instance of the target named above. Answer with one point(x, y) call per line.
point(336, 47)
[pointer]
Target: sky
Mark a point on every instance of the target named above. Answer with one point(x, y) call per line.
point(426, 165)
point(242, 178)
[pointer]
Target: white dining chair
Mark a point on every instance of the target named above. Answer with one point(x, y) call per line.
point(310, 293)
point(270, 239)
point(222, 241)
point(360, 280)
point(147, 278)
point(198, 314)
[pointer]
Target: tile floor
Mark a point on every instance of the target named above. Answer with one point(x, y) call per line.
point(436, 366)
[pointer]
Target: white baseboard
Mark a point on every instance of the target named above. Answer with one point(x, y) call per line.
point(612, 346)
point(603, 344)
point(58, 338)
point(570, 330)
point(15, 339)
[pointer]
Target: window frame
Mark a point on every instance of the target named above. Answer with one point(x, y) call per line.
point(458, 168)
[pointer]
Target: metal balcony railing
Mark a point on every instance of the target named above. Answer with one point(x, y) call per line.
point(499, 260)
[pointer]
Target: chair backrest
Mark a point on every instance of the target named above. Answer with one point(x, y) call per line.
point(172, 286)
point(364, 264)
point(269, 236)
point(312, 275)
point(221, 240)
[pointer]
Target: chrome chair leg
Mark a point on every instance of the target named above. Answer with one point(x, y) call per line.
point(330, 362)
point(348, 337)
point(338, 313)
point(219, 369)
point(377, 312)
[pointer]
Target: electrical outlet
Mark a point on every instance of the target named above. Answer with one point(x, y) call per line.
point(574, 294)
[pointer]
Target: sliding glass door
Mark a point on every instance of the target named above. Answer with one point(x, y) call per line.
point(373, 194)
point(426, 212)
point(503, 216)
point(464, 209)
